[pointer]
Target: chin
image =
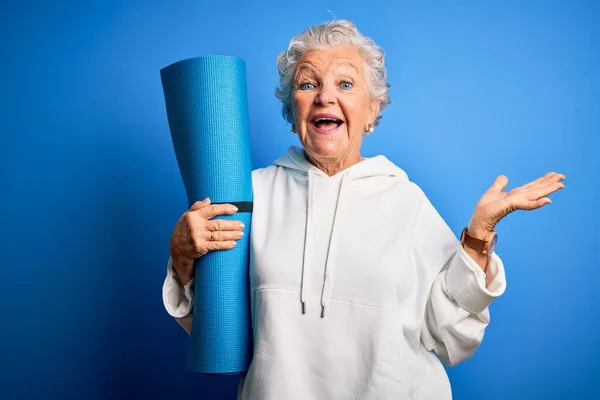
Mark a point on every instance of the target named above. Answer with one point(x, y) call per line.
point(325, 146)
point(325, 152)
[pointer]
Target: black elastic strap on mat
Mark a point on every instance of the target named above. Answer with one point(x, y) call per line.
point(242, 206)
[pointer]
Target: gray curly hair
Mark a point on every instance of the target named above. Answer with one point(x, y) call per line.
point(329, 34)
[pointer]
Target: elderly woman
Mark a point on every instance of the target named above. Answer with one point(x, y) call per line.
point(359, 288)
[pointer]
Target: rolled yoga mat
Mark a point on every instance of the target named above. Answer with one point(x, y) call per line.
point(207, 110)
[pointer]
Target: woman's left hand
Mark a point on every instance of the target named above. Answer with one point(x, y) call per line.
point(496, 204)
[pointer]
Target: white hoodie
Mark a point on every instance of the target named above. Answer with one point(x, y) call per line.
point(355, 279)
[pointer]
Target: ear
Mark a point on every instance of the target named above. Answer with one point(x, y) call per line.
point(375, 106)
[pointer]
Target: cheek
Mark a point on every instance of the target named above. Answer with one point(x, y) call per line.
point(358, 111)
point(357, 99)
point(300, 104)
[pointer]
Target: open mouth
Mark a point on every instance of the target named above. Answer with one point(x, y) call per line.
point(326, 122)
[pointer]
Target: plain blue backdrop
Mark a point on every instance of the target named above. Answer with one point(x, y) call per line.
point(91, 189)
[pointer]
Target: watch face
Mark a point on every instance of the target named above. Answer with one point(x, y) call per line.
point(493, 244)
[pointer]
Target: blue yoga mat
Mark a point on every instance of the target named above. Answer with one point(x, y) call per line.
point(207, 110)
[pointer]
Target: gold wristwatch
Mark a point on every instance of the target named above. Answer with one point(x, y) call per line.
point(483, 246)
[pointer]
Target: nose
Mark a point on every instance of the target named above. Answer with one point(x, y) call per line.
point(326, 94)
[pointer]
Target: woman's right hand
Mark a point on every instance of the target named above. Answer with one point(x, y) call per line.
point(196, 234)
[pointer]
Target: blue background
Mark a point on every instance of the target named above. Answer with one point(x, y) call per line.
point(91, 189)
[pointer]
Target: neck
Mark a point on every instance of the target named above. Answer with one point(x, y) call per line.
point(332, 167)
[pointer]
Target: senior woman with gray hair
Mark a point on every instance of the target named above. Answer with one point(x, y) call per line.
point(359, 288)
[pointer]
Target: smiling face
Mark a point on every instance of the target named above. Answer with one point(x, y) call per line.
point(331, 104)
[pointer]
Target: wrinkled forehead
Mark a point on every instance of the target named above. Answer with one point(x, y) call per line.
point(338, 59)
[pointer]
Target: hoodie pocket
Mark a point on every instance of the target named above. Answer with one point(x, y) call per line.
point(391, 361)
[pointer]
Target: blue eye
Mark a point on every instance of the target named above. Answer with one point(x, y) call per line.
point(346, 85)
point(306, 86)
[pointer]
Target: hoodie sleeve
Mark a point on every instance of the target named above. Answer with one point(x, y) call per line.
point(456, 309)
point(178, 300)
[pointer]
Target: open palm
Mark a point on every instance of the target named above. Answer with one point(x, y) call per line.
point(495, 204)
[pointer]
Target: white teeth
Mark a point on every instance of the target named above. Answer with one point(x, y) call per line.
point(327, 120)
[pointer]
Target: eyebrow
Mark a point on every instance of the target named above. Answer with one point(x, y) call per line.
point(348, 63)
point(302, 69)
point(306, 66)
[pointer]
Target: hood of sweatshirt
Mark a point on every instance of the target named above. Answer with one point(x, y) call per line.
point(295, 162)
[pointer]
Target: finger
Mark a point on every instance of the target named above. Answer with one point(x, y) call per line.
point(540, 180)
point(543, 191)
point(217, 209)
point(552, 178)
point(529, 205)
point(221, 245)
point(499, 184)
point(202, 246)
point(224, 225)
point(223, 236)
point(558, 178)
point(200, 204)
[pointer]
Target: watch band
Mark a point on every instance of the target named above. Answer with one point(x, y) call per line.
point(483, 246)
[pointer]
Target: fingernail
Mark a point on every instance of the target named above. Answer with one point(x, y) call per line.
point(233, 243)
point(242, 225)
point(549, 201)
point(206, 199)
point(240, 234)
point(234, 209)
